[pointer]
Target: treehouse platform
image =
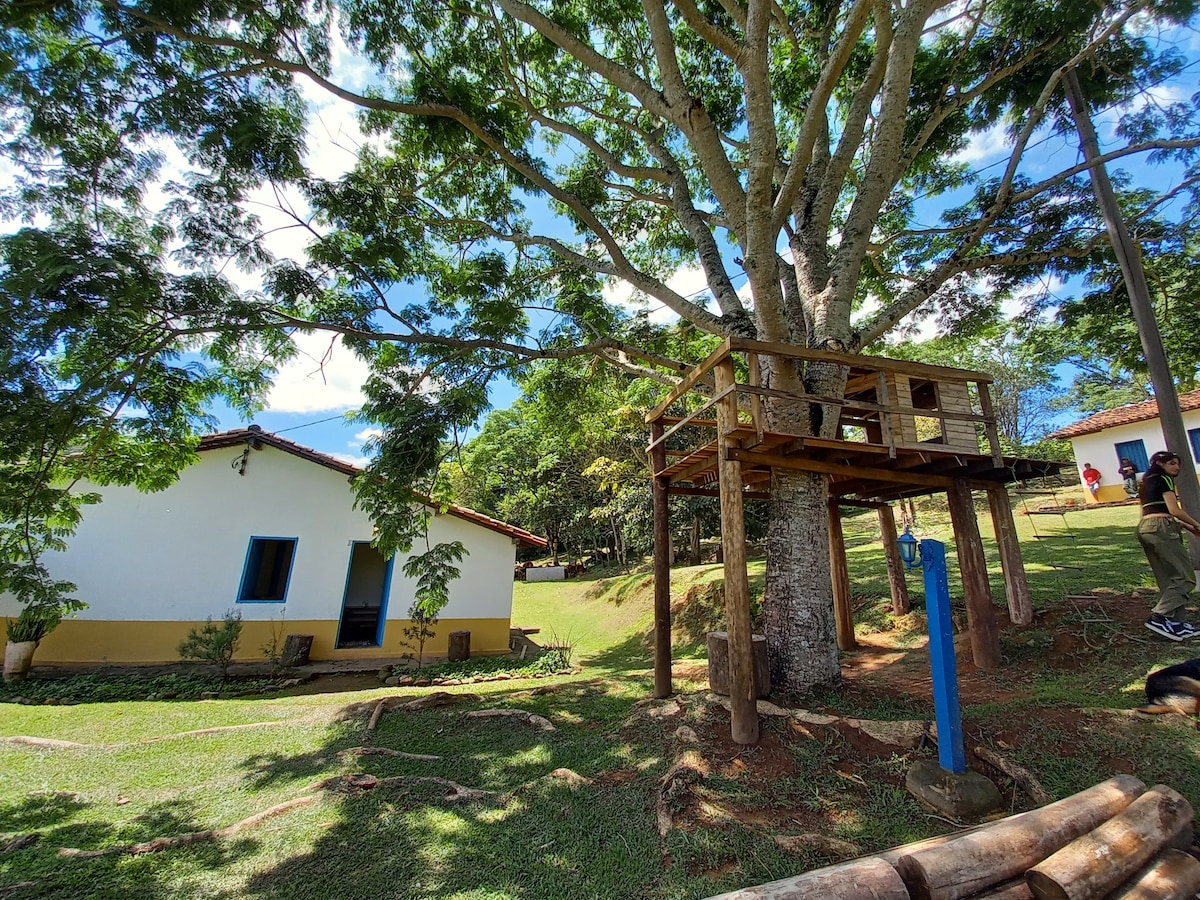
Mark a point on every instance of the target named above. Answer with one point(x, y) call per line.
point(903, 429)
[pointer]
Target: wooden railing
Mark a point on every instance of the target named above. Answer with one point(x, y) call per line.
point(885, 397)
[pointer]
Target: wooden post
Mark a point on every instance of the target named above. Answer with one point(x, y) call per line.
point(1016, 585)
point(743, 709)
point(981, 614)
point(901, 604)
point(459, 647)
point(662, 567)
point(843, 612)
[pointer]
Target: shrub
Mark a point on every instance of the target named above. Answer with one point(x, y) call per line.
point(33, 624)
point(215, 642)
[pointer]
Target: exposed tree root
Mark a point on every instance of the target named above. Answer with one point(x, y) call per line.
point(51, 744)
point(384, 751)
point(218, 729)
point(361, 783)
point(532, 718)
point(44, 743)
point(675, 789)
point(377, 714)
point(21, 841)
point(194, 837)
point(1022, 776)
point(11, 890)
point(429, 701)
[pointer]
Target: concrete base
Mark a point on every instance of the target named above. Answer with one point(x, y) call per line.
point(966, 796)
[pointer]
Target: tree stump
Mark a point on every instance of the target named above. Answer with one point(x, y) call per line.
point(460, 646)
point(718, 664)
point(296, 648)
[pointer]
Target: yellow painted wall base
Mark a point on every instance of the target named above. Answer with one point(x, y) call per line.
point(82, 641)
point(1108, 493)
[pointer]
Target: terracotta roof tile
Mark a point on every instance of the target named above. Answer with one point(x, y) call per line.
point(237, 436)
point(1124, 415)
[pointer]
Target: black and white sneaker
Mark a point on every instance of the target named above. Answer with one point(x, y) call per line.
point(1171, 629)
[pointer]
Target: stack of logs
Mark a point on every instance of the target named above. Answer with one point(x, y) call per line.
point(1115, 840)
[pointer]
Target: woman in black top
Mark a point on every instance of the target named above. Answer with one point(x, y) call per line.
point(1159, 534)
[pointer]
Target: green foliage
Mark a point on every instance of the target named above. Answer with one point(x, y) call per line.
point(434, 570)
point(215, 642)
point(272, 650)
point(104, 687)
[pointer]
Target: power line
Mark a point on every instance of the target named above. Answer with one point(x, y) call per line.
point(308, 424)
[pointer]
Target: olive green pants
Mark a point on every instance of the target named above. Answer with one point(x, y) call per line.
point(1168, 557)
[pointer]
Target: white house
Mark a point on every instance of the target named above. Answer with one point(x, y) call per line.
point(267, 527)
point(1132, 431)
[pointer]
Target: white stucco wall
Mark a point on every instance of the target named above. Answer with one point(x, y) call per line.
point(1100, 448)
point(178, 555)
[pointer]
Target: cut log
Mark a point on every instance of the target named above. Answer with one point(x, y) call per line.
point(459, 648)
point(718, 664)
point(871, 877)
point(1100, 861)
point(1002, 851)
point(1012, 890)
point(1173, 876)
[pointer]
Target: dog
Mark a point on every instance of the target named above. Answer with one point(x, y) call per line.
point(1175, 689)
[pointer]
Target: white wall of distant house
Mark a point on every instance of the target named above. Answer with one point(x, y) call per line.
point(179, 555)
point(1100, 448)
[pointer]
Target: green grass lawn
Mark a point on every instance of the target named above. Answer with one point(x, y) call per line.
point(140, 778)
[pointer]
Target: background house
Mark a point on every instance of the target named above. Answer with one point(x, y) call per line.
point(268, 527)
point(1132, 430)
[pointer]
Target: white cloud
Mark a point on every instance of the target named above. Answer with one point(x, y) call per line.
point(325, 376)
point(360, 462)
point(985, 147)
point(367, 433)
point(687, 282)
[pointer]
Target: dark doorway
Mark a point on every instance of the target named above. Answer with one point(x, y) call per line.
point(365, 604)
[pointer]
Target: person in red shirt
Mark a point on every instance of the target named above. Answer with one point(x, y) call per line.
point(1092, 478)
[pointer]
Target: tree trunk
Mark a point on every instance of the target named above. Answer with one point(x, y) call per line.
point(798, 616)
point(695, 540)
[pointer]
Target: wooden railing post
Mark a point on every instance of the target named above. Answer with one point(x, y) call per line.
point(743, 705)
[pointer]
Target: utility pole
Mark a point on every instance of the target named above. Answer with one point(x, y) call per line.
point(1129, 256)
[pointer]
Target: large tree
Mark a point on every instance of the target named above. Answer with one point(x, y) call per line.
point(528, 154)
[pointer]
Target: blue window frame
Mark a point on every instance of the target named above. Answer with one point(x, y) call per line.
point(1135, 452)
point(1194, 440)
point(267, 571)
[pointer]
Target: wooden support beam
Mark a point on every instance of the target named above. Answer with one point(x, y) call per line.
point(901, 604)
point(981, 614)
point(662, 569)
point(1016, 584)
point(815, 465)
point(743, 705)
point(843, 610)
